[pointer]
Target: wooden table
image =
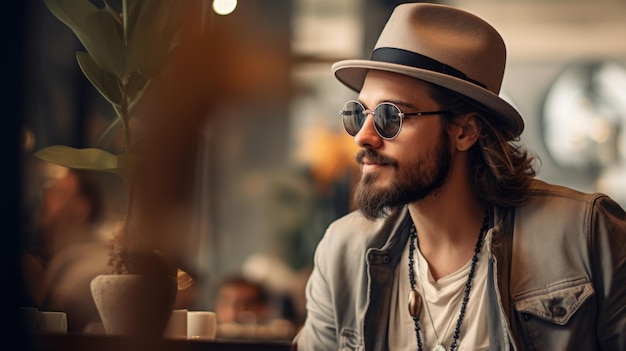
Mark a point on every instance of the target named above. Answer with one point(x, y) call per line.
point(87, 342)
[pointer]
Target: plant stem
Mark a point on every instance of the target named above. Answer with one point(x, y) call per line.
point(124, 264)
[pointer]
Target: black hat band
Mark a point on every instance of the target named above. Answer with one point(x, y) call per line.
point(412, 59)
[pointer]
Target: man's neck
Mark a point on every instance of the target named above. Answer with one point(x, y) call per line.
point(448, 224)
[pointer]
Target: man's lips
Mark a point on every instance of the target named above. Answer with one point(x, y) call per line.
point(371, 161)
point(366, 162)
point(370, 167)
point(368, 158)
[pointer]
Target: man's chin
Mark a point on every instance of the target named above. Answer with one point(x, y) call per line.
point(377, 180)
point(372, 200)
point(371, 190)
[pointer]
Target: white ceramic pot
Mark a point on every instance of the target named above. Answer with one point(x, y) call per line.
point(134, 304)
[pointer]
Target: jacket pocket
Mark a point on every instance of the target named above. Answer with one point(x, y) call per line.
point(557, 303)
point(557, 317)
point(349, 340)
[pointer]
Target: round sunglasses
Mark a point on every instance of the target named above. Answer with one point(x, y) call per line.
point(387, 118)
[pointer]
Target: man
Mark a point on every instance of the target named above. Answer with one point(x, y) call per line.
point(456, 246)
point(241, 300)
point(71, 252)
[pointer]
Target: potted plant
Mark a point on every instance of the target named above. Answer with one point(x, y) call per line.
point(125, 50)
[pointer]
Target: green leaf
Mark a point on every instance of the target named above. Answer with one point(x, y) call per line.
point(106, 83)
point(116, 15)
point(141, 28)
point(155, 64)
point(150, 32)
point(130, 13)
point(135, 88)
point(90, 159)
point(103, 40)
point(70, 11)
point(169, 35)
point(97, 30)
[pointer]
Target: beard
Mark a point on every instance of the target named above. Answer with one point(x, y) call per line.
point(412, 182)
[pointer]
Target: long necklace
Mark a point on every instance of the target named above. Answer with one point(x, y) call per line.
point(415, 299)
point(454, 302)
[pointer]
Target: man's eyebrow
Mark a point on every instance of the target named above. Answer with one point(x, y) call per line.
point(400, 103)
point(405, 105)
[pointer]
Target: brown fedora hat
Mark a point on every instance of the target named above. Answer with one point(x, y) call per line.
point(442, 45)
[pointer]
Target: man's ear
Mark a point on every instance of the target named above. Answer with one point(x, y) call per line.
point(467, 131)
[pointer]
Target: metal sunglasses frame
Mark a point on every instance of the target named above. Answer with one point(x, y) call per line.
point(401, 114)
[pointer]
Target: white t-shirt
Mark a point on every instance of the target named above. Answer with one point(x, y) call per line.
point(443, 298)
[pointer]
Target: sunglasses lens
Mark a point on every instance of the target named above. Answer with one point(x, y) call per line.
point(353, 117)
point(387, 120)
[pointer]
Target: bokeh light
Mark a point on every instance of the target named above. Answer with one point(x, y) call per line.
point(224, 7)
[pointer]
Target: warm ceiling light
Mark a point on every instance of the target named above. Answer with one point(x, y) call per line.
point(224, 7)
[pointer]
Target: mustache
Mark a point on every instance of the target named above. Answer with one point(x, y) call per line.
point(375, 157)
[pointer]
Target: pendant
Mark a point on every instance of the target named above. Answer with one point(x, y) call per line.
point(415, 304)
point(439, 348)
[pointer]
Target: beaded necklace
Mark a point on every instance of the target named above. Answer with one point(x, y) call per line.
point(416, 301)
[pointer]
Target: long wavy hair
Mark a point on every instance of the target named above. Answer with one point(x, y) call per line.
point(502, 170)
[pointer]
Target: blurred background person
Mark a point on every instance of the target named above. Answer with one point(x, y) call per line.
point(248, 309)
point(242, 300)
point(70, 248)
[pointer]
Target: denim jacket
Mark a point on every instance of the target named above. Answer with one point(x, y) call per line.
point(557, 276)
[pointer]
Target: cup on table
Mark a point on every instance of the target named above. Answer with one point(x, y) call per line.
point(52, 322)
point(201, 325)
point(177, 325)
